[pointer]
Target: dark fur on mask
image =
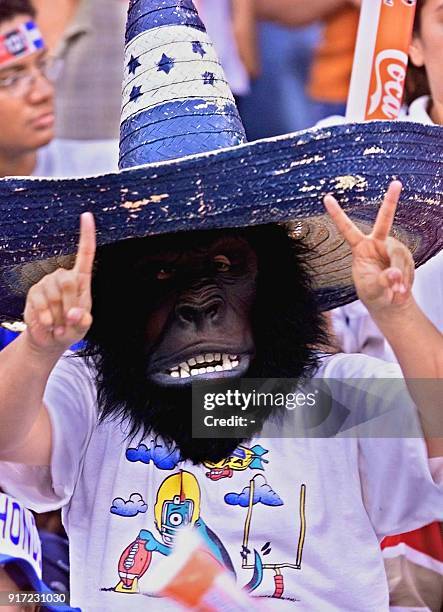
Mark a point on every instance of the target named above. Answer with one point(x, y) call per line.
point(285, 321)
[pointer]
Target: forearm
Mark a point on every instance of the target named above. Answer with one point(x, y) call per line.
point(244, 26)
point(418, 346)
point(296, 12)
point(24, 373)
point(416, 342)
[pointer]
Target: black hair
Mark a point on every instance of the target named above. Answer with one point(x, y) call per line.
point(11, 8)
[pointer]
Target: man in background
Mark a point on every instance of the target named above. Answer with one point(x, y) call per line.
point(27, 114)
point(26, 90)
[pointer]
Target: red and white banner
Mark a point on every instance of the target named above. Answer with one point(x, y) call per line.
point(381, 59)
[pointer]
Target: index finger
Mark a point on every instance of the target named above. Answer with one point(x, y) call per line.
point(86, 245)
point(343, 223)
point(386, 214)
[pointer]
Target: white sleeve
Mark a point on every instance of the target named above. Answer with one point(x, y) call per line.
point(428, 289)
point(357, 332)
point(399, 489)
point(402, 488)
point(71, 401)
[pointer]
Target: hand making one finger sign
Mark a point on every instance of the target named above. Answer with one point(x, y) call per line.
point(382, 267)
point(58, 308)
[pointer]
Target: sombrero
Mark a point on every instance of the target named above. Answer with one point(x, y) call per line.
point(185, 165)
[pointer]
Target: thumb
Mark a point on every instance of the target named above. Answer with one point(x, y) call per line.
point(392, 278)
point(80, 319)
point(400, 258)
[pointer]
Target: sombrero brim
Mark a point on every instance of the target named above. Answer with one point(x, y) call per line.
point(273, 180)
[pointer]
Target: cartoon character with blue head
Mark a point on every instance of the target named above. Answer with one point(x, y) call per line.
point(176, 511)
point(177, 506)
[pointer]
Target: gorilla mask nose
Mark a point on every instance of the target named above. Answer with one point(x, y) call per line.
point(198, 312)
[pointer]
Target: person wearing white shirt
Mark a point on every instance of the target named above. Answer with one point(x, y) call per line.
point(353, 325)
point(27, 117)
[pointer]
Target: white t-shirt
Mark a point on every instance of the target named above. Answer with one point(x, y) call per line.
point(355, 329)
point(77, 158)
point(350, 491)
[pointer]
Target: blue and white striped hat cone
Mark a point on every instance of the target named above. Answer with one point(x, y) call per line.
point(176, 100)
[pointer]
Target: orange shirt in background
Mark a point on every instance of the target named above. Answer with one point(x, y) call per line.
point(332, 66)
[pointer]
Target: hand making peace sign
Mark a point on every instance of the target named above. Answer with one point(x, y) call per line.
point(382, 267)
point(58, 308)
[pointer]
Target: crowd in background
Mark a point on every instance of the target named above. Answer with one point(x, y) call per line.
point(289, 64)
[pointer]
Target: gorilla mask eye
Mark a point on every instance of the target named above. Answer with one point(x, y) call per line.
point(222, 263)
point(165, 273)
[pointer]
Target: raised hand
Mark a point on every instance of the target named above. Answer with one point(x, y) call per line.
point(58, 308)
point(382, 267)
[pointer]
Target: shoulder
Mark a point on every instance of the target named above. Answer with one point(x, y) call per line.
point(345, 365)
point(70, 364)
point(71, 381)
point(46, 160)
point(372, 396)
point(432, 270)
point(418, 111)
point(78, 158)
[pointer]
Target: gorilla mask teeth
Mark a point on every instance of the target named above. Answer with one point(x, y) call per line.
point(219, 362)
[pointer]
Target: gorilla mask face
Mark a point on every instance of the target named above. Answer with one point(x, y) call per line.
point(199, 325)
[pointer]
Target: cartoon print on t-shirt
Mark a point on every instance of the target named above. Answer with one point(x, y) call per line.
point(131, 507)
point(162, 455)
point(240, 459)
point(262, 493)
point(177, 506)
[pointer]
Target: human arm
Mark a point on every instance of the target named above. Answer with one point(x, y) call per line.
point(57, 314)
point(244, 26)
point(383, 273)
point(418, 346)
point(299, 12)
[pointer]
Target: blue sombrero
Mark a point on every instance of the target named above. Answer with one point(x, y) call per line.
point(185, 165)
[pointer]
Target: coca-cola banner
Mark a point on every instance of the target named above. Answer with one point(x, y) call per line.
point(381, 59)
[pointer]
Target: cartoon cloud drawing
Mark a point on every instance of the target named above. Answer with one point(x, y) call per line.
point(131, 507)
point(262, 493)
point(163, 456)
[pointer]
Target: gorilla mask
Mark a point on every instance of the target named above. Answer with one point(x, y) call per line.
point(179, 308)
